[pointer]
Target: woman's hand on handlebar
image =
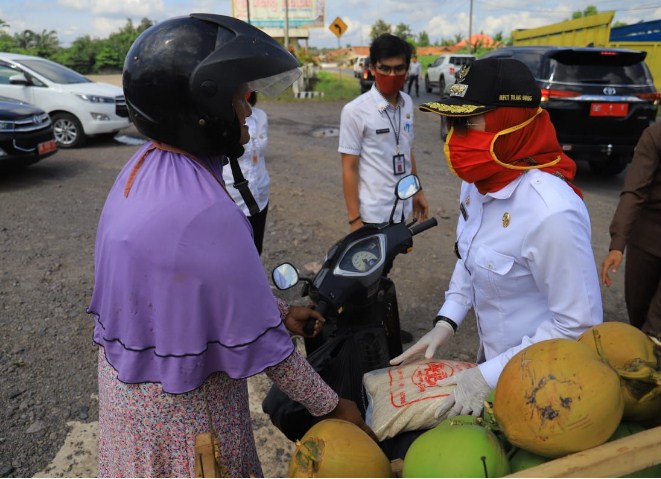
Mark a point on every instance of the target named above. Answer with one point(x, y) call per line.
point(348, 411)
point(297, 318)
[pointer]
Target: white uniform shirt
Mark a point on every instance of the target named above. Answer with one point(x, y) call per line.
point(367, 129)
point(414, 69)
point(527, 267)
point(253, 164)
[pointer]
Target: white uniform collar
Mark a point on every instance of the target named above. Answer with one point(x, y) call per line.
point(381, 103)
point(507, 190)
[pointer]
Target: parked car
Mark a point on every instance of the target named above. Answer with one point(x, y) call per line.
point(26, 134)
point(366, 78)
point(600, 99)
point(441, 73)
point(78, 107)
point(358, 66)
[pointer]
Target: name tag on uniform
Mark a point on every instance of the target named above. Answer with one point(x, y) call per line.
point(464, 213)
point(381, 131)
point(398, 164)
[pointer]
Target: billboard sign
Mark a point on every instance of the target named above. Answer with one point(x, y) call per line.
point(271, 13)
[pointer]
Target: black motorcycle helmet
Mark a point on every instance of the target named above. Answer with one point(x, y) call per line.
point(180, 75)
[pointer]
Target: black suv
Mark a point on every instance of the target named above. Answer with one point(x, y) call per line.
point(366, 78)
point(600, 99)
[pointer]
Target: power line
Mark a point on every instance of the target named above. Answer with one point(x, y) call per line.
point(496, 6)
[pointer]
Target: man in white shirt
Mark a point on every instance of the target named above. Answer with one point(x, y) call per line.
point(415, 69)
point(376, 137)
point(253, 167)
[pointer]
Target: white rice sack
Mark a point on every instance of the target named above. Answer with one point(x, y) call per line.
point(405, 397)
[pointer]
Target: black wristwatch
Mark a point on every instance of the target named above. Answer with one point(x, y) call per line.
point(446, 320)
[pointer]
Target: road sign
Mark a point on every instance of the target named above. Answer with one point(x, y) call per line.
point(338, 27)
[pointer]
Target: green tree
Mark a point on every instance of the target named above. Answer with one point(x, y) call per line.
point(379, 28)
point(402, 30)
point(589, 10)
point(7, 43)
point(112, 51)
point(423, 39)
point(80, 56)
point(46, 43)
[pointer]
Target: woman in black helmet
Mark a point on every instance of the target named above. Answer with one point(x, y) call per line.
point(183, 310)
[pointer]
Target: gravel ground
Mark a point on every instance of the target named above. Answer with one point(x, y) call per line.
point(47, 229)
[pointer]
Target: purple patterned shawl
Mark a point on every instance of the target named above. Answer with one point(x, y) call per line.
point(180, 291)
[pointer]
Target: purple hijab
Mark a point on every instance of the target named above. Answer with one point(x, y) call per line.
point(179, 290)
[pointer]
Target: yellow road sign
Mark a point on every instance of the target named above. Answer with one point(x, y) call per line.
point(338, 27)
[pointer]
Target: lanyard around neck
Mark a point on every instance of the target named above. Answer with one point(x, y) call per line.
point(399, 125)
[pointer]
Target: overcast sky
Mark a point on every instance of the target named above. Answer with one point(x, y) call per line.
point(441, 19)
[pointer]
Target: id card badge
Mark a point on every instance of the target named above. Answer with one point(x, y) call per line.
point(398, 164)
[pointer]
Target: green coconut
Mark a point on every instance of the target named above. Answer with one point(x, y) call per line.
point(457, 447)
point(522, 460)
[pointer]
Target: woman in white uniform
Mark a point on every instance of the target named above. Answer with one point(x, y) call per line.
point(525, 262)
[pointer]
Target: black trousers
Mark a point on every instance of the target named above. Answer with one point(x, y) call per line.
point(642, 289)
point(258, 223)
point(412, 79)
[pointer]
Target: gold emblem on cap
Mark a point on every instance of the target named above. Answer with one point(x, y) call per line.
point(506, 219)
point(468, 200)
point(458, 89)
point(436, 107)
point(461, 75)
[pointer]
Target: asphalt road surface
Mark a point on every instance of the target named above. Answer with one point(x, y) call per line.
point(47, 229)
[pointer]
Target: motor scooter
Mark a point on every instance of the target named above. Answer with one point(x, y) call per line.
point(353, 292)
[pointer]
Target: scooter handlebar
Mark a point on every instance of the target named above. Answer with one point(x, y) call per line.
point(425, 225)
point(309, 325)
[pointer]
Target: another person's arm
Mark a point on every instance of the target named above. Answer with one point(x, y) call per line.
point(634, 195)
point(296, 378)
point(350, 147)
point(350, 184)
point(420, 205)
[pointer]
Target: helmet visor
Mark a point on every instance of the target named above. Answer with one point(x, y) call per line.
point(274, 85)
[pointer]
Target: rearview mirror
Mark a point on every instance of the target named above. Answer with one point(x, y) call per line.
point(408, 186)
point(284, 276)
point(18, 79)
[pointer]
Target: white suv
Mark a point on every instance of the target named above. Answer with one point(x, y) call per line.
point(440, 74)
point(77, 106)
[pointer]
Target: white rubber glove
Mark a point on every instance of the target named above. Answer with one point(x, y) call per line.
point(435, 338)
point(469, 395)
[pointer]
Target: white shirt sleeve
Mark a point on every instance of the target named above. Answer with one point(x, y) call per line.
point(561, 261)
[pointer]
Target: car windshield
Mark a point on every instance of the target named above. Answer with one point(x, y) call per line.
point(53, 71)
point(612, 69)
point(461, 60)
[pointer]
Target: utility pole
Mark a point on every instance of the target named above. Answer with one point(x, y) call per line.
point(248, 9)
point(287, 24)
point(470, 26)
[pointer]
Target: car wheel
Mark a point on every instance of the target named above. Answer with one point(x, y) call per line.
point(441, 86)
point(68, 130)
point(427, 85)
point(613, 166)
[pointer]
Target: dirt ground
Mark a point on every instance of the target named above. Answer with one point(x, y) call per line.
point(48, 407)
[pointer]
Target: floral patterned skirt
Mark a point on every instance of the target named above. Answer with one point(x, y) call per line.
point(144, 432)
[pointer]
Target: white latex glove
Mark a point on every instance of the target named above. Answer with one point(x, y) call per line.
point(438, 335)
point(469, 395)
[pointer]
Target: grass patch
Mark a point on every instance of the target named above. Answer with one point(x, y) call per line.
point(338, 87)
point(334, 86)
